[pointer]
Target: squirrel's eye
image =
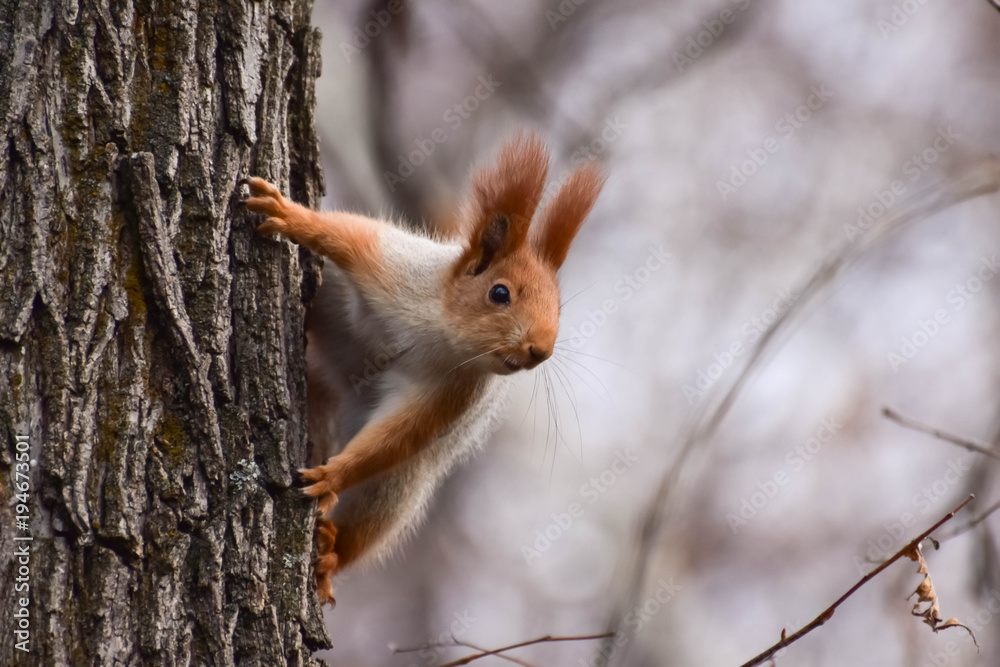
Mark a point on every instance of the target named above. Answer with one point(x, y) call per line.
point(500, 294)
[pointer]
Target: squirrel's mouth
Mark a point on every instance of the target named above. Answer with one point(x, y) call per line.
point(508, 363)
point(512, 366)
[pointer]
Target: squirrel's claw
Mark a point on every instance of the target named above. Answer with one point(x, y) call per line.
point(260, 188)
point(320, 488)
point(326, 500)
point(265, 198)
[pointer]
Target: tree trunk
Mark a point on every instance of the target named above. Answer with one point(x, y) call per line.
point(151, 345)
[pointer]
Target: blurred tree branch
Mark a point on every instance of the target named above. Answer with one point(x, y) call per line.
point(975, 521)
point(913, 424)
point(497, 652)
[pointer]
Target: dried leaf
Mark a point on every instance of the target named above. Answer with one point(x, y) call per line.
point(954, 623)
point(926, 594)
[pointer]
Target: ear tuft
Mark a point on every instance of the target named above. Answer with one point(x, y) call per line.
point(507, 191)
point(514, 185)
point(562, 217)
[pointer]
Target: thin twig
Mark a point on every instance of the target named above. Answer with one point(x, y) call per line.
point(508, 658)
point(975, 521)
point(453, 643)
point(828, 613)
point(889, 413)
point(497, 651)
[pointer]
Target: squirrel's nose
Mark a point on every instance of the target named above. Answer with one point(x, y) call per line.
point(539, 354)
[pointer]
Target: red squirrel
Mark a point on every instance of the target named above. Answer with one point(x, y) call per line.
point(448, 319)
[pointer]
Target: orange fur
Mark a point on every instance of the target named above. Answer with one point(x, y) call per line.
point(562, 218)
point(383, 445)
point(500, 248)
point(534, 307)
point(510, 190)
point(349, 240)
point(327, 562)
point(505, 199)
point(354, 539)
point(378, 447)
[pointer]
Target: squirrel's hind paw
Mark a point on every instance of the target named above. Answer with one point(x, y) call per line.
point(326, 559)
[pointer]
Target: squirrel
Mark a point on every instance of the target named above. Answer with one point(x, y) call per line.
point(448, 320)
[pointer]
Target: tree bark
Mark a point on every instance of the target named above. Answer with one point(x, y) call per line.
point(151, 345)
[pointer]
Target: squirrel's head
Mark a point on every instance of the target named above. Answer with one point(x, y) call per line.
point(503, 296)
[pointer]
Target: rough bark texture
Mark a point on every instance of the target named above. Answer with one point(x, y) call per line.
point(151, 345)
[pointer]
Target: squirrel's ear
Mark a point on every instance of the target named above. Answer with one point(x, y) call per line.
point(561, 219)
point(505, 197)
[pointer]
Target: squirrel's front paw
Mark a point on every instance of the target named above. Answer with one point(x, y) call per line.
point(321, 487)
point(268, 200)
point(326, 559)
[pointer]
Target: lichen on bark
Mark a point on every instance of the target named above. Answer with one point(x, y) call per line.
point(151, 345)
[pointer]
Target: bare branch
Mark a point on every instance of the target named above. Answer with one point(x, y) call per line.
point(975, 521)
point(828, 613)
point(907, 422)
point(498, 651)
point(508, 658)
point(454, 642)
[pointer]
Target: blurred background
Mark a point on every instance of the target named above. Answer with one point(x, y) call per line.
point(747, 142)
